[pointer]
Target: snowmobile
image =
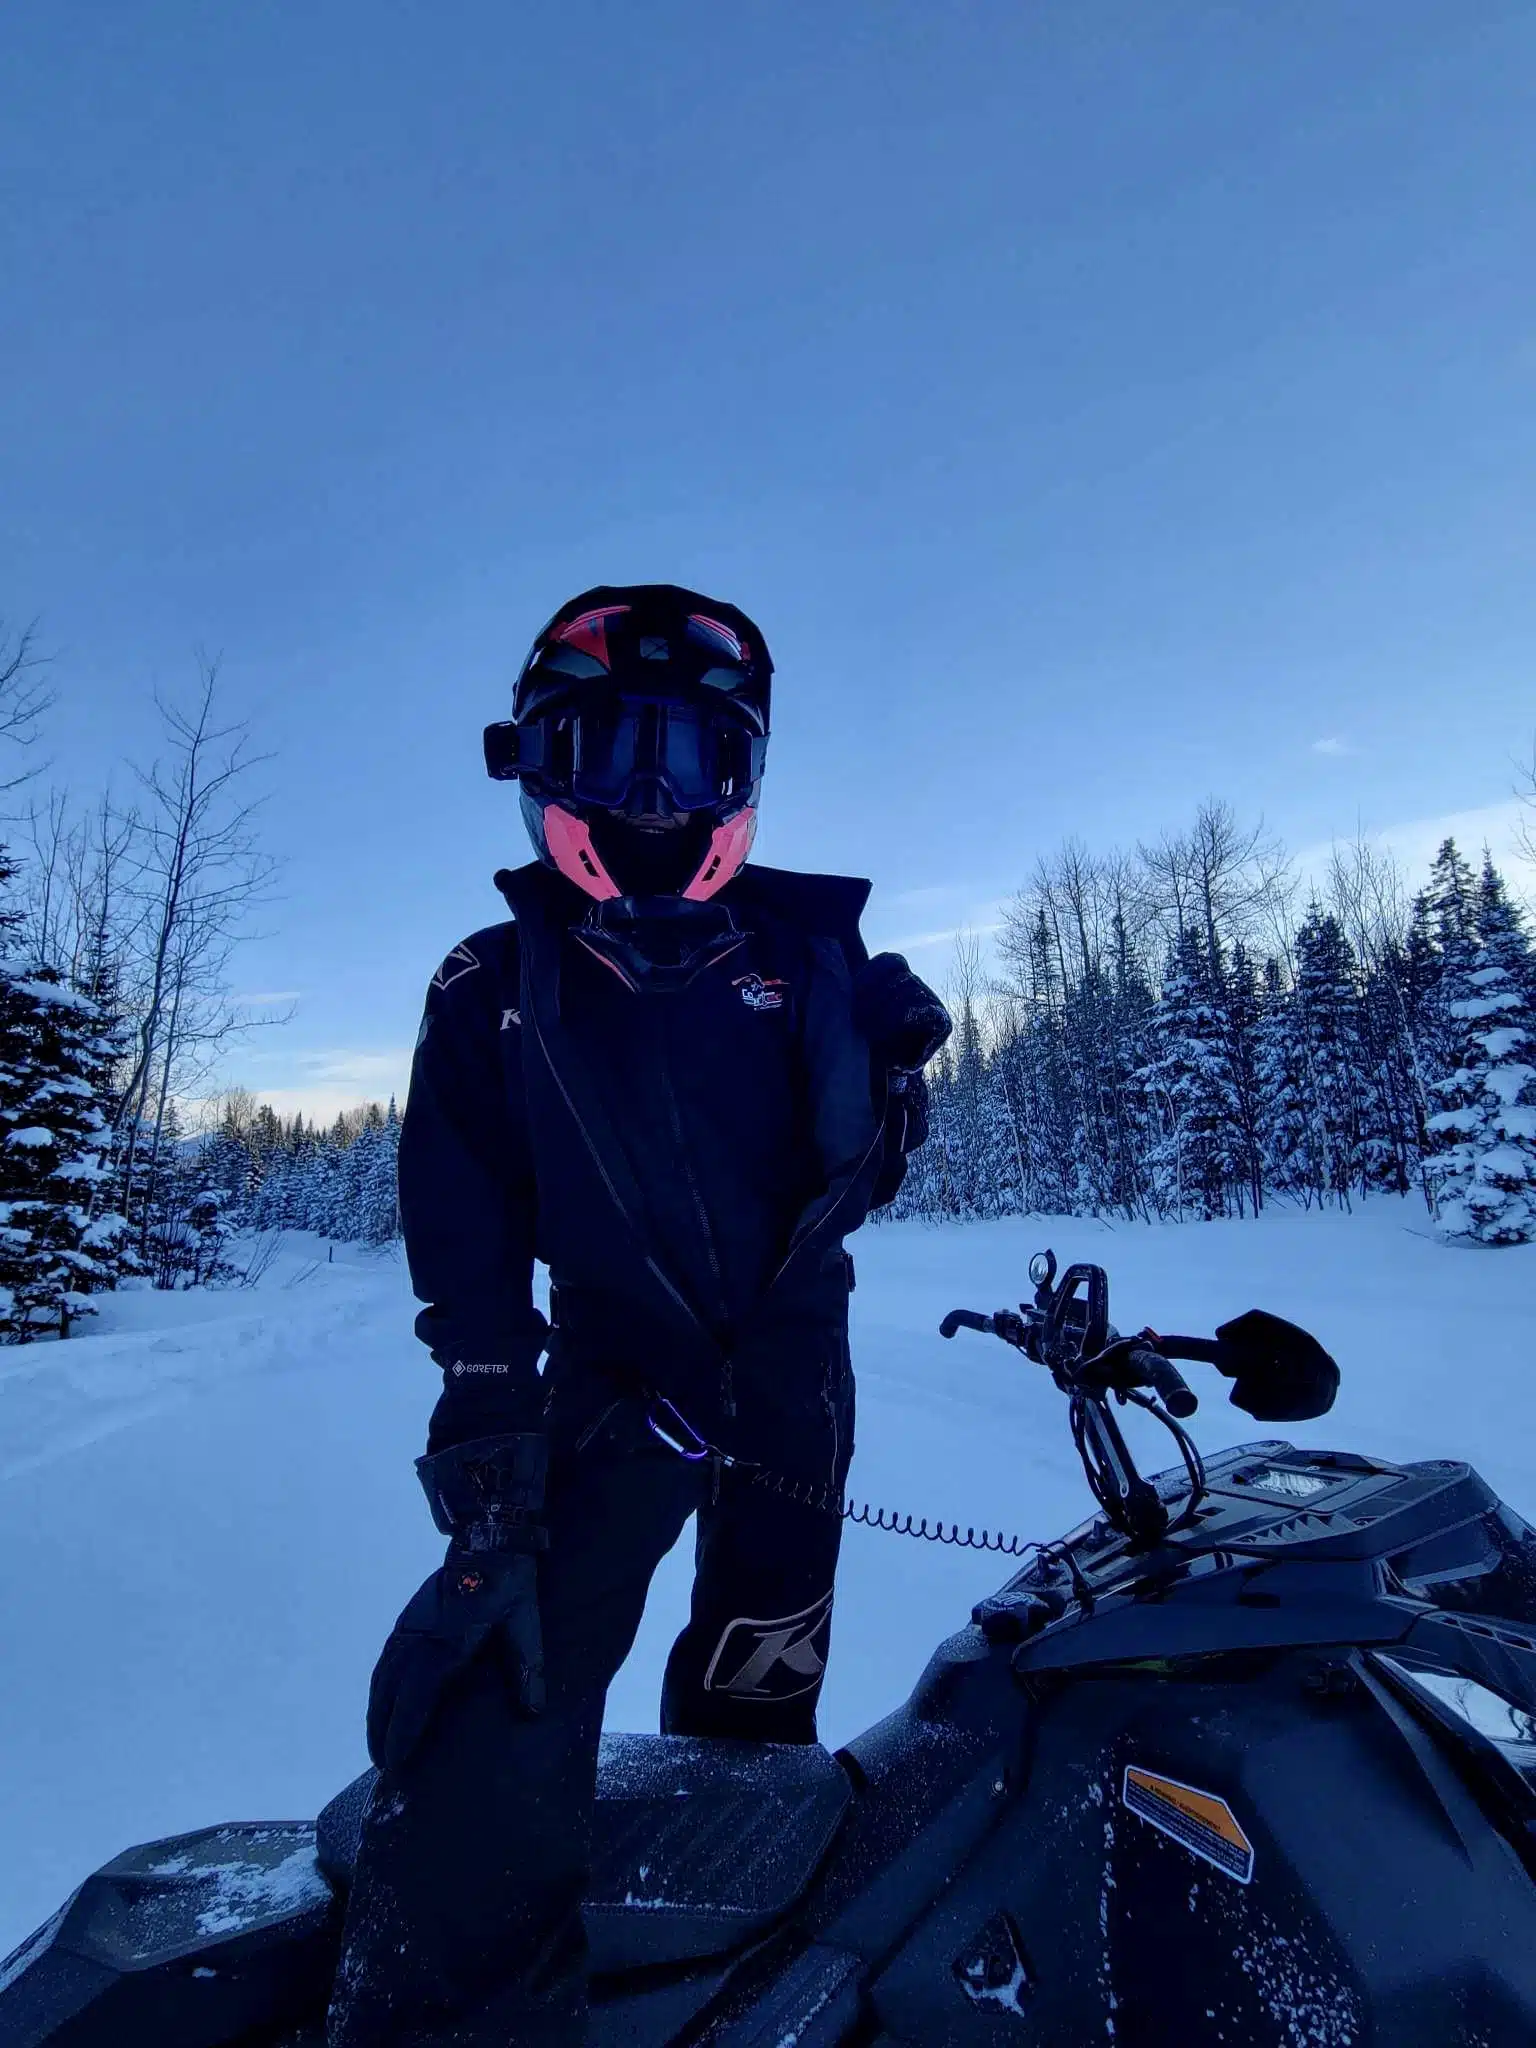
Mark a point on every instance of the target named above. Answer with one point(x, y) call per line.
point(1249, 1757)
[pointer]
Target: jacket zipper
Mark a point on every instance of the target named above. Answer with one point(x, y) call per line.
point(706, 1230)
point(706, 1227)
point(613, 1194)
point(652, 1267)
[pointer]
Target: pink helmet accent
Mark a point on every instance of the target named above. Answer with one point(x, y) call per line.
point(589, 633)
point(712, 629)
point(728, 850)
point(570, 848)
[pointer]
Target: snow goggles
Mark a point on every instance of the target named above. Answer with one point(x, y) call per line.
point(619, 752)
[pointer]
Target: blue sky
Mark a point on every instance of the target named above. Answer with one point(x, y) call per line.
point(1098, 407)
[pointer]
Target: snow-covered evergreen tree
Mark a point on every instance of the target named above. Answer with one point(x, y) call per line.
point(1443, 941)
point(1482, 1165)
point(1240, 1010)
point(1501, 930)
point(1280, 1072)
point(60, 1243)
point(1188, 1081)
point(225, 1159)
point(1395, 1107)
point(1326, 1007)
point(1045, 1082)
point(379, 1200)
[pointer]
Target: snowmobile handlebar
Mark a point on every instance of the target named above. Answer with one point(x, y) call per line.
point(1067, 1329)
point(1123, 1366)
point(967, 1319)
point(1280, 1374)
point(1152, 1369)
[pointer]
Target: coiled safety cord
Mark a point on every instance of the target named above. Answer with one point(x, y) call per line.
point(890, 1521)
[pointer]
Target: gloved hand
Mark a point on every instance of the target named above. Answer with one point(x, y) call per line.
point(486, 1496)
point(910, 1093)
point(1282, 1373)
point(902, 1018)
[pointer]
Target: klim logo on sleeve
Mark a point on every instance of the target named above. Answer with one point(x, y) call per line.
point(459, 963)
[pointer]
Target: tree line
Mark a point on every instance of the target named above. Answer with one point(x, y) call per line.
point(119, 921)
point(1179, 1033)
point(272, 1175)
point(1176, 1032)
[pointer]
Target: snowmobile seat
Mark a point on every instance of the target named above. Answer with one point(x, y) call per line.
point(698, 1845)
point(213, 1936)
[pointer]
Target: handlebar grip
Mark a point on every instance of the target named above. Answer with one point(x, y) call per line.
point(1166, 1381)
point(965, 1319)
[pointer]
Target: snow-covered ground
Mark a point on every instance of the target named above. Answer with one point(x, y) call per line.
point(208, 1517)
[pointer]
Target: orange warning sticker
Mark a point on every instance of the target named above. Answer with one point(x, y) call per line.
point(1204, 1824)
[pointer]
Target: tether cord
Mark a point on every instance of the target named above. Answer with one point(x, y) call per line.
point(697, 1449)
point(671, 1428)
point(890, 1521)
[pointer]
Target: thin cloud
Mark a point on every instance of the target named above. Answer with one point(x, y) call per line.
point(910, 899)
point(1496, 826)
point(915, 941)
point(943, 912)
point(267, 999)
point(324, 1081)
point(344, 1066)
point(1333, 746)
point(1414, 842)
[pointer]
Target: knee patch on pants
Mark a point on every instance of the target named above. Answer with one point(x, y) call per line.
point(773, 1660)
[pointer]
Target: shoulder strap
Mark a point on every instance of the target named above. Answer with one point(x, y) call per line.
point(543, 933)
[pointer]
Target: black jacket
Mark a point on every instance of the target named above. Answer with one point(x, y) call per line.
point(686, 1163)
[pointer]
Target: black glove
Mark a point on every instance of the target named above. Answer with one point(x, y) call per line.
point(487, 1497)
point(909, 1094)
point(902, 1018)
point(1282, 1373)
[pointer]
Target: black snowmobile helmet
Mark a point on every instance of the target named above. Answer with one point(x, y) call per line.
point(638, 736)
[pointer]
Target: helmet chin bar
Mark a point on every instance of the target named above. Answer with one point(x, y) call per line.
point(571, 850)
point(729, 846)
point(569, 840)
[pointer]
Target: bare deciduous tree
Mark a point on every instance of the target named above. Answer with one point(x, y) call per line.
point(80, 913)
point(1366, 893)
point(200, 871)
point(1226, 881)
point(1525, 796)
point(24, 697)
point(966, 989)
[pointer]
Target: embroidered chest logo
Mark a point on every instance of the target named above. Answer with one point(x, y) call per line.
point(758, 994)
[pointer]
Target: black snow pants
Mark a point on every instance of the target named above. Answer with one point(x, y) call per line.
point(463, 1924)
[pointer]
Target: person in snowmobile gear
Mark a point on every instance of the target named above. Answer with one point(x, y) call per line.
point(680, 1082)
